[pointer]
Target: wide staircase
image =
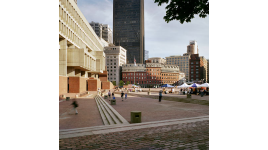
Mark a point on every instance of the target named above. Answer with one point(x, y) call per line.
point(77, 132)
point(108, 114)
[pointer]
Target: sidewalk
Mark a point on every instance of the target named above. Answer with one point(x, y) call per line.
point(88, 114)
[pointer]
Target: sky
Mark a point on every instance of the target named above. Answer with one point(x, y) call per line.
point(161, 39)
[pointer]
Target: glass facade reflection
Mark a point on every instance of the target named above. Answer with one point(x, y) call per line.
point(128, 28)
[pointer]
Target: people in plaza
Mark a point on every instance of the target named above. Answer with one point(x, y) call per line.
point(75, 105)
point(122, 94)
point(126, 95)
point(160, 95)
point(113, 95)
point(98, 91)
point(109, 93)
point(202, 92)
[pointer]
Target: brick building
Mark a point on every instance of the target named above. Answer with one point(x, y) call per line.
point(198, 69)
point(151, 74)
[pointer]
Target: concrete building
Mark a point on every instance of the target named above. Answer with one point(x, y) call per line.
point(107, 33)
point(115, 58)
point(146, 55)
point(128, 28)
point(208, 70)
point(192, 48)
point(182, 62)
point(97, 27)
point(157, 60)
point(205, 68)
point(81, 56)
point(103, 31)
point(151, 74)
point(198, 70)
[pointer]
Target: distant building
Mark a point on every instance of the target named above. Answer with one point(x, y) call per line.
point(198, 69)
point(115, 58)
point(151, 74)
point(208, 70)
point(146, 55)
point(103, 31)
point(128, 28)
point(157, 60)
point(192, 48)
point(182, 62)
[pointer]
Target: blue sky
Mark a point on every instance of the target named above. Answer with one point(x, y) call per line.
point(161, 39)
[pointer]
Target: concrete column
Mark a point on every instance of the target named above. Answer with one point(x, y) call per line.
point(63, 57)
point(83, 74)
point(77, 72)
point(70, 71)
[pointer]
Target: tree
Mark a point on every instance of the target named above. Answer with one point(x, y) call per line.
point(114, 83)
point(127, 83)
point(184, 10)
point(121, 83)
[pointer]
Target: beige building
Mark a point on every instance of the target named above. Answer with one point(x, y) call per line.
point(205, 68)
point(158, 60)
point(115, 58)
point(81, 53)
point(192, 48)
point(181, 61)
point(103, 31)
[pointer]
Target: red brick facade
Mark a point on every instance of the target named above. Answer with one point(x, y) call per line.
point(153, 76)
point(196, 68)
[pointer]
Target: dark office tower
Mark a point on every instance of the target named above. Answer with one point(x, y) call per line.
point(128, 28)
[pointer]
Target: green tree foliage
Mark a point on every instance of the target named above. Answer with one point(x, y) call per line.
point(121, 83)
point(114, 83)
point(127, 83)
point(184, 10)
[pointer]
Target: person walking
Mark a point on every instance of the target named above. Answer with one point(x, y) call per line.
point(160, 95)
point(75, 105)
point(122, 94)
point(125, 95)
point(109, 94)
point(113, 95)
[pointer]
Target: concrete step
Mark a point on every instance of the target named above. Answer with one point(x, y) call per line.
point(109, 111)
point(68, 133)
point(108, 114)
point(103, 117)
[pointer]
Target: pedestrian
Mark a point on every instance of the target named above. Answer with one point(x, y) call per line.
point(113, 95)
point(126, 95)
point(74, 106)
point(202, 92)
point(109, 94)
point(160, 95)
point(122, 94)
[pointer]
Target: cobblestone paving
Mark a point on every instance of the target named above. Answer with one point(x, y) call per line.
point(190, 136)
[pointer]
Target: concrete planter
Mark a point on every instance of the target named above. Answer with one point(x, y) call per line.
point(135, 116)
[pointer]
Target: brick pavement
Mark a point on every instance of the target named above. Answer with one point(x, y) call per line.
point(152, 110)
point(88, 114)
point(193, 135)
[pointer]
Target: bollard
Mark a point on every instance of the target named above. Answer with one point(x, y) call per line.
point(135, 116)
point(189, 95)
point(113, 102)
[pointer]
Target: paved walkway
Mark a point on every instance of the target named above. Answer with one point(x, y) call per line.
point(187, 136)
point(192, 135)
point(198, 97)
point(152, 110)
point(88, 114)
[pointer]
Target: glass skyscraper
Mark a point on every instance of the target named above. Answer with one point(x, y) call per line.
point(128, 28)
